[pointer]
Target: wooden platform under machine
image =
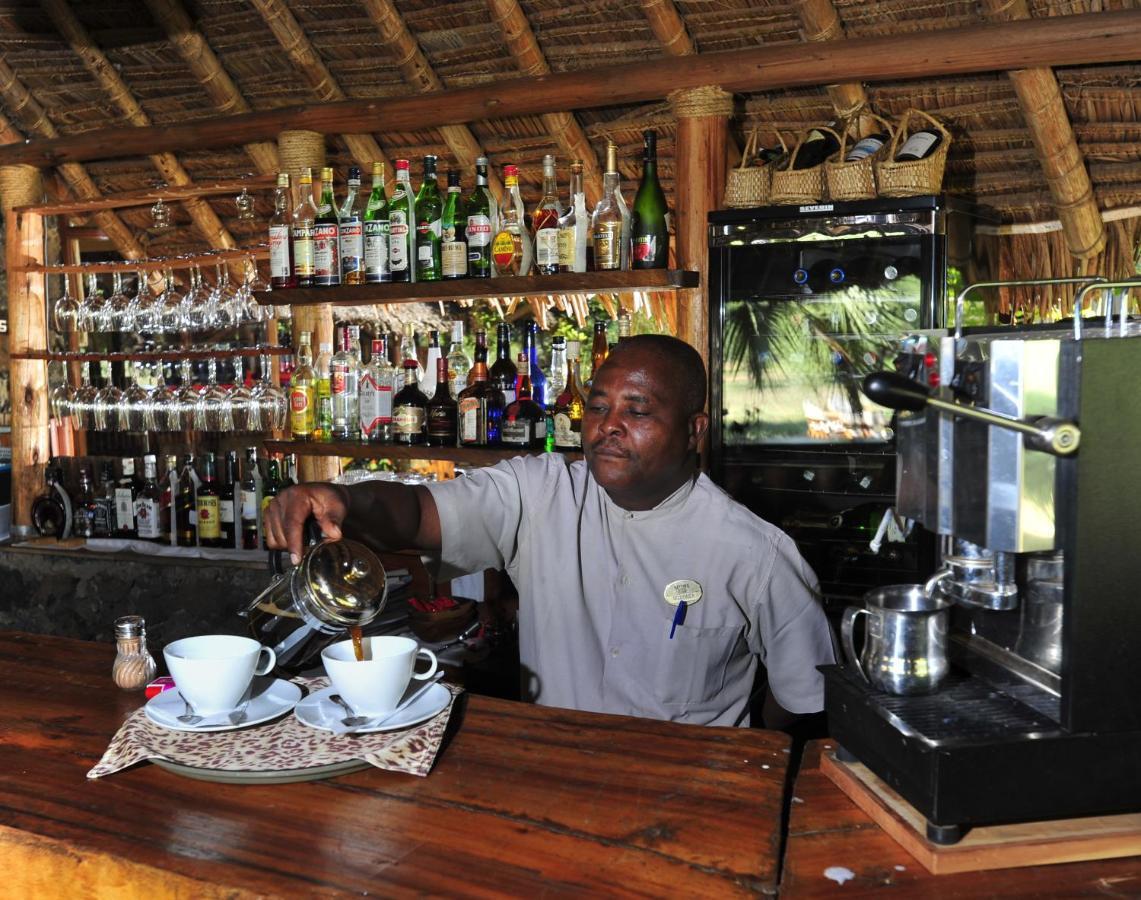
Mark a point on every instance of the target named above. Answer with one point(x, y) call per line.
point(985, 847)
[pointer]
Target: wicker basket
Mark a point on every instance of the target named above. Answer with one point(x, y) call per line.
point(749, 183)
point(856, 180)
point(913, 177)
point(799, 185)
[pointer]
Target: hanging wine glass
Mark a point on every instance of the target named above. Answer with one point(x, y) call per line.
point(121, 307)
point(147, 309)
point(169, 304)
point(222, 299)
point(241, 399)
point(162, 406)
point(270, 401)
point(86, 318)
point(244, 203)
point(160, 216)
point(136, 400)
point(212, 412)
point(195, 309)
point(65, 310)
point(187, 399)
point(61, 398)
point(83, 405)
point(108, 407)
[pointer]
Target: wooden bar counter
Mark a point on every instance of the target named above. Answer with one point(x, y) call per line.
point(523, 800)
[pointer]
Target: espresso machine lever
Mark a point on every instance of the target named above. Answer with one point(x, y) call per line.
point(1059, 437)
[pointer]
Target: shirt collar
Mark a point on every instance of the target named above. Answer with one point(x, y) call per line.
point(668, 506)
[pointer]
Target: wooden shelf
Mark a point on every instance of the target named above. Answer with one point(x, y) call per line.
point(174, 355)
point(482, 288)
point(151, 264)
point(476, 456)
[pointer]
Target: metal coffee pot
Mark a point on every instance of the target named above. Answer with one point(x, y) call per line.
point(335, 586)
point(905, 644)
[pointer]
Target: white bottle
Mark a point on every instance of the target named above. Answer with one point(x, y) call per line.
point(428, 382)
point(344, 386)
point(459, 365)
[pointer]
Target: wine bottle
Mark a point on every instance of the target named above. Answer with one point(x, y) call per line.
point(919, 145)
point(442, 411)
point(352, 231)
point(376, 230)
point(865, 147)
point(429, 207)
point(502, 375)
point(649, 221)
point(482, 219)
point(816, 147)
point(524, 422)
point(402, 227)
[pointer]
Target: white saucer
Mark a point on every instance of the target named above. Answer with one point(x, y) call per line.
point(269, 698)
point(318, 711)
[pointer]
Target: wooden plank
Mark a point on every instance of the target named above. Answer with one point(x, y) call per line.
point(480, 288)
point(171, 193)
point(1055, 41)
point(472, 456)
point(988, 847)
point(152, 264)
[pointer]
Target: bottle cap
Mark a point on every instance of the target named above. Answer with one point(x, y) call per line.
point(130, 627)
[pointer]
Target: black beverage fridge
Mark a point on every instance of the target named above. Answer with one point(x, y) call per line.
point(805, 301)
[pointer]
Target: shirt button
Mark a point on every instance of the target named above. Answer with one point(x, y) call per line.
point(625, 579)
point(613, 651)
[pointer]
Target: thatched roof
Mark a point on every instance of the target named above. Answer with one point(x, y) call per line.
point(68, 68)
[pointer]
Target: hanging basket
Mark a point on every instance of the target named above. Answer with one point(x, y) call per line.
point(800, 185)
point(912, 178)
point(856, 180)
point(749, 184)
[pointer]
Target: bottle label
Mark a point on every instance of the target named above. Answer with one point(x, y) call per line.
point(608, 246)
point(409, 419)
point(226, 511)
point(518, 433)
point(147, 514)
point(375, 405)
point(279, 251)
point(208, 518)
point(567, 248)
point(505, 250)
point(376, 249)
point(547, 247)
point(326, 261)
point(103, 517)
point(471, 413)
point(352, 247)
point(249, 505)
point(508, 397)
point(453, 259)
point(442, 424)
point(338, 378)
point(303, 251)
point(863, 149)
point(83, 522)
point(301, 410)
point(478, 232)
point(124, 509)
point(398, 241)
point(918, 145)
point(645, 248)
point(565, 435)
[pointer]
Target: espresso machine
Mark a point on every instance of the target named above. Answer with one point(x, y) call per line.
point(1018, 449)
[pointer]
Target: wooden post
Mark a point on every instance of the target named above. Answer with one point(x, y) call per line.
point(28, 330)
point(300, 150)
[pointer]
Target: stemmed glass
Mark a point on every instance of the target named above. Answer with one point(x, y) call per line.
point(87, 315)
point(213, 412)
point(222, 299)
point(108, 407)
point(62, 397)
point(147, 310)
point(120, 308)
point(268, 402)
point(169, 304)
point(101, 312)
point(65, 310)
point(197, 312)
point(187, 400)
point(242, 404)
point(162, 407)
point(83, 405)
point(136, 401)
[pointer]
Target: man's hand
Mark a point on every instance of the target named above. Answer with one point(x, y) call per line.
point(286, 514)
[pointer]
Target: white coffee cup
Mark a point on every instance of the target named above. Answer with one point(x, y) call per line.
point(373, 686)
point(213, 671)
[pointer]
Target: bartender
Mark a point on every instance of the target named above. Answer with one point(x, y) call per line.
point(644, 589)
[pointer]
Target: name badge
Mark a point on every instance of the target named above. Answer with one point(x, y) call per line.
point(681, 593)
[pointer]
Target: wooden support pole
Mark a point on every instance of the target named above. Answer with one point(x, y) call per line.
point(28, 330)
point(819, 22)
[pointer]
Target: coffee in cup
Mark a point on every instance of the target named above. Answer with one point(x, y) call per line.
point(213, 671)
point(374, 685)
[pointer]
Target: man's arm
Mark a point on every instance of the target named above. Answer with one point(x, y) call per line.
point(386, 515)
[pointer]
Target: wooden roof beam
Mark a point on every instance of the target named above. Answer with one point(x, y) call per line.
point(819, 21)
point(418, 72)
point(1085, 39)
point(1062, 161)
point(198, 55)
point(561, 125)
point(668, 27)
point(291, 36)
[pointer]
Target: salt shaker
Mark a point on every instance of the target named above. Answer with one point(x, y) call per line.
point(134, 666)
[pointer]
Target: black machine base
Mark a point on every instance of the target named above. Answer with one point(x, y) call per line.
point(969, 755)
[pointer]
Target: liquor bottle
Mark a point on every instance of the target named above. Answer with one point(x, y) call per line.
point(148, 504)
point(402, 227)
point(502, 374)
point(524, 422)
point(442, 412)
point(345, 384)
point(303, 393)
point(453, 248)
point(270, 489)
point(322, 367)
point(570, 405)
point(185, 511)
point(376, 269)
point(248, 500)
point(281, 274)
point(376, 393)
point(166, 500)
point(537, 376)
point(625, 325)
point(103, 516)
point(919, 145)
point(409, 409)
point(458, 362)
point(51, 511)
point(482, 226)
point(126, 490)
point(816, 147)
point(574, 226)
point(545, 222)
point(429, 209)
point(352, 231)
point(83, 507)
point(327, 236)
point(556, 383)
point(407, 353)
point(229, 495)
point(322, 414)
point(649, 220)
point(866, 146)
point(480, 405)
point(428, 382)
point(600, 348)
point(511, 247)
point(301, 228)
point(606, 222)
point(206, 504)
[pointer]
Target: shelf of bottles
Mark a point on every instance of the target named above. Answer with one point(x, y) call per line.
point(152, 355)
point(474, 456)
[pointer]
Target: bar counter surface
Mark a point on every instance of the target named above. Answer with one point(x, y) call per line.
point(523, 800)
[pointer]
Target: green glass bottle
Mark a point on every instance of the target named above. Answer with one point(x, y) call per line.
point(481, 224)
point(649, 220)
point(453, 249)
point(376, 230)
point(429, 208)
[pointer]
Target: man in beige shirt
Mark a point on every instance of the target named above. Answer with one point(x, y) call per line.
point(644, 589)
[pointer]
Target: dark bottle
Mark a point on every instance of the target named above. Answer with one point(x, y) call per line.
point(185, 513)
point(453, 247)
point(83, 507)
point(409, 408)
point(248, 501)
point(524, 422)
point(600, 348)
point(480, 404)
point(126, 489)
point(821, 276)
point(51, 511)
point(537, 375)
point(226, 500)
point(569, 405)
point(480, 210)
point(270, 489)
point(104, 512)
point(429, 209)
point(502, 374)
point(919, 145)
point(443, 412)
point(148, 504)
point(649, 219)
point(166, 498)
point(326, 237)
point(816, 147)
point(207, 504)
